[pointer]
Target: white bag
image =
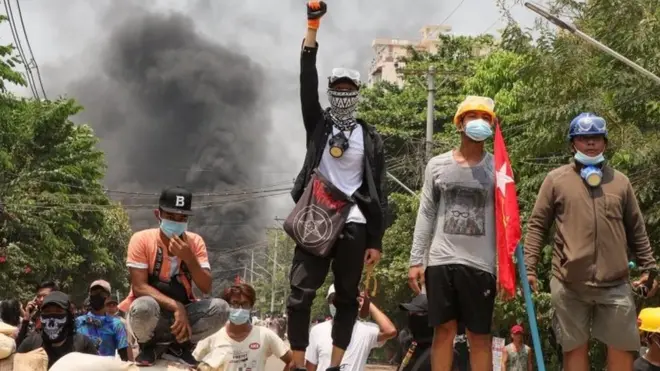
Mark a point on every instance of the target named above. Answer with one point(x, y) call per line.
point(7, 346)
point(82, 362)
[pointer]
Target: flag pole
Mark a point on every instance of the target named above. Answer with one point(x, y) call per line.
point(529, 305)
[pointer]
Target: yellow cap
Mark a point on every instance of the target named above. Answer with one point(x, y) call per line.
point(649, 320)
point(474, 103)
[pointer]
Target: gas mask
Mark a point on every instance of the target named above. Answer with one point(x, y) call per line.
point(55, 327)
point(591, 171)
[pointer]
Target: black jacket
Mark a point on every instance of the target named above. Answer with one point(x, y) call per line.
point(370, 197)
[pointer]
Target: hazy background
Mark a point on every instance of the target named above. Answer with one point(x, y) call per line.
point(204, 93)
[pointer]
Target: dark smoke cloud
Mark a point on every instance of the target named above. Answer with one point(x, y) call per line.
point(163, 98)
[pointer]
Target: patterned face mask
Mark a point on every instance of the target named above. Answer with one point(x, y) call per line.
point(343, 105)
point(55, 327)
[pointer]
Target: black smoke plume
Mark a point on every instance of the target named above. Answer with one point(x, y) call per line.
point(174, 108)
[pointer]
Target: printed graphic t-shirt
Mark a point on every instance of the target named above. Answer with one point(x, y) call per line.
point(250, 354)
point(108, 333)
point(142, 252)
point(456, 217)
point(363, 340)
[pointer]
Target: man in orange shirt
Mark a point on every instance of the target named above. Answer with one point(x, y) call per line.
point(163, 264)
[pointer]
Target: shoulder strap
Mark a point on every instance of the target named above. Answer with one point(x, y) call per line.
point(158, 264)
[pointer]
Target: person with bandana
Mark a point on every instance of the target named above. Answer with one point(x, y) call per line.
point(58, 336)
point(163, 264)
point(365, 337)
point(349, 153)
point(455, 227)
point(30, 320)
point(597, 221)
point(107, 332)
point(250, 345)
point(649, 328)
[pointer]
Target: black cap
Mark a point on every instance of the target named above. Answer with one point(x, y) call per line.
point(57, 298)
point(113, 299)
point(176, 200)
point(418, 304)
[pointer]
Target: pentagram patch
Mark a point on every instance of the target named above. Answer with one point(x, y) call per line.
point(318, 217)
point(312, 226)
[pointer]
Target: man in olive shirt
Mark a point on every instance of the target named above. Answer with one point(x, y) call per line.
point(597, 220)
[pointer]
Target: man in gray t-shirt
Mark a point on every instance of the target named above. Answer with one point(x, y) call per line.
point(456, 228)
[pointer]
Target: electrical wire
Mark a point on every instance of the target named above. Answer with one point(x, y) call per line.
point(27, 41)
point(19, 48)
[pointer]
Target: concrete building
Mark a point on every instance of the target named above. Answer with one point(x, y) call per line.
point(389, 52)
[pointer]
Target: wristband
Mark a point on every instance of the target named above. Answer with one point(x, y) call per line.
point(314, 23)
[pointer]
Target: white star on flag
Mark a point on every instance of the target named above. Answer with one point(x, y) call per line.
point(503, 178)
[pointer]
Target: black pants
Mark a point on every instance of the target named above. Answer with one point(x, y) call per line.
point(308, 272)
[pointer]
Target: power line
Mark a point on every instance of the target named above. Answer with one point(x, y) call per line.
point(19, 48)
point(27, 41)
point(452, 12)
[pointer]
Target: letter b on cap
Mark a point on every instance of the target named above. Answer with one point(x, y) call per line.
point(180, 201)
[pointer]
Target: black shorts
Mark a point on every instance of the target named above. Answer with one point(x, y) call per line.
point(461, 293)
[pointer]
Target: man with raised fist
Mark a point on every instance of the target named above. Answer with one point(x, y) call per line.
point(339, 217)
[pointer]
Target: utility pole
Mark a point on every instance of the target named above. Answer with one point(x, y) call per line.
point(272, 277)
point(245, 273)
point(252, 268)
point(430, 110)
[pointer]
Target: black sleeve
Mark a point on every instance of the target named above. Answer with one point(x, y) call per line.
point(22, 333)
point(29, 344)
point(87, 346)
point(309, 90)
point(375, 240)
point(123, 354)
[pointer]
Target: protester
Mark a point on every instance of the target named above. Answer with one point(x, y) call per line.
point(107, 332)
point(250, 345)
point(517, 356)
point(344, 176)
point(596, 220)
point(30, 320)
point(163, 264)
point(421, 336)
point(58, 336)
point(10, 312)
point(365, 337)
point(649, 327)
point(111, 307)
point(456, 227)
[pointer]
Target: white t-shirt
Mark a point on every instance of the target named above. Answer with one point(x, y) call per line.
point(346, 172)
point(363, 340)
point(250, 354)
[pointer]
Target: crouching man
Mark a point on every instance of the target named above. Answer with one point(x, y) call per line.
point(163, 264)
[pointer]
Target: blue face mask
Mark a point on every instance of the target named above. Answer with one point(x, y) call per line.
point(239, 316)
point(333, 310)
point(588, 160)
point(478, 130)
point(172, 228)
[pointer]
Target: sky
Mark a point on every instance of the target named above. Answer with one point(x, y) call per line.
point(234, 120)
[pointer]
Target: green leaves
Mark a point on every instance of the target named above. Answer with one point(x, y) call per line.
point(60, 225)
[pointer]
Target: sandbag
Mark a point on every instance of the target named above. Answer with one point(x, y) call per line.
point(7, 346)
point(216, 359)
point(6, 329)
point(36, 360)
point(81, 362)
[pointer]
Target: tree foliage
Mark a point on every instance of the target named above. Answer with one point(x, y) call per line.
point(59, 224)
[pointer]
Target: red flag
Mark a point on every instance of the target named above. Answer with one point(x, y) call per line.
point(507, 216)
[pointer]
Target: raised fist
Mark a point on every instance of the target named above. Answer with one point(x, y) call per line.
point(316, 9)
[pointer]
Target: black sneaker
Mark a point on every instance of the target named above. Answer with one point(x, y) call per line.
point(147, 356)
point(181, 353)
